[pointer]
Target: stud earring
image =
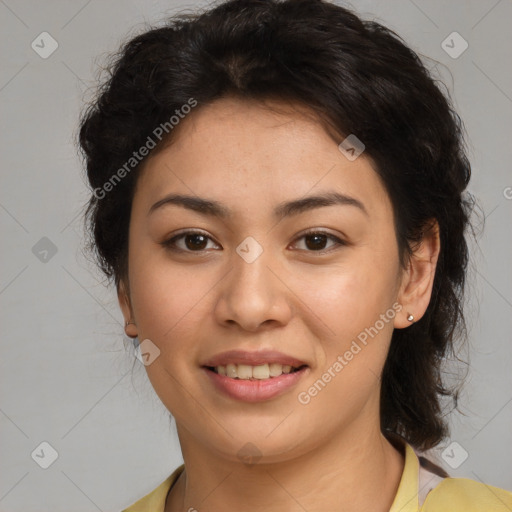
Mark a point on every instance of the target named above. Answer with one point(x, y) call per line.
point(410, 318)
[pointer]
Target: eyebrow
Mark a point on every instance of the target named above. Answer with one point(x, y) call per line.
point(286, 209)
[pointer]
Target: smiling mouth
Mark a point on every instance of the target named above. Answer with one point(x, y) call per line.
point(259, 372)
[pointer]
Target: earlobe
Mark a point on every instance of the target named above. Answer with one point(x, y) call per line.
point(418, 278)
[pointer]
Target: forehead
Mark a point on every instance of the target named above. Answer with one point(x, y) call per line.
point(245, 152)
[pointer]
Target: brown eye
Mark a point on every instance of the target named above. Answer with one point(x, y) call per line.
point(193, 241)
point(315, 241)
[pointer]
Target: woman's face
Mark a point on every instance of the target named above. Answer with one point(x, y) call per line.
point(252, 281)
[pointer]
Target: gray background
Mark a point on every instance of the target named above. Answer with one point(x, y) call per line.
point(66, 373)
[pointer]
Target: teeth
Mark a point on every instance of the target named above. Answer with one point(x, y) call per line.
point(275, 369)
point(231, 371)
point(260, 372)
point(246, 372)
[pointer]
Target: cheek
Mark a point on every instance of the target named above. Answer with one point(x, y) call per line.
point(349, 297)
point(356, 303)
point(170, 305)
point(166, 298)
point(347, 377)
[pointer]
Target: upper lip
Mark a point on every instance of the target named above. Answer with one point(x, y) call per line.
point(252, 358)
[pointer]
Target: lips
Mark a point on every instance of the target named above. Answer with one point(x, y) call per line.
point(254, 376)
point(255, 390)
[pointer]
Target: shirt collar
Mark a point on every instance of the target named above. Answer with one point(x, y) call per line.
point(406, 499)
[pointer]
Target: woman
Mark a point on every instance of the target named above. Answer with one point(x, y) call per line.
point(278, 196)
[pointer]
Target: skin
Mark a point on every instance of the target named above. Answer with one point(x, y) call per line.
point(330, 453)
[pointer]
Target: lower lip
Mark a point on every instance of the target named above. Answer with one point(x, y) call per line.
point(255, 390)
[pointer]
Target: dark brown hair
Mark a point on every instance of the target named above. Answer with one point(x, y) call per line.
point(356, 75)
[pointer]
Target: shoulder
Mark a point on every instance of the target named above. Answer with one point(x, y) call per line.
point(426, 487)
point(155, 500)
point(465, 495)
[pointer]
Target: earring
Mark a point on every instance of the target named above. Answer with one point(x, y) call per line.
point(128, 323)
point(410, 318)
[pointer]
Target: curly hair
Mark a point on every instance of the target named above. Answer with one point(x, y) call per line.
point(360, 78)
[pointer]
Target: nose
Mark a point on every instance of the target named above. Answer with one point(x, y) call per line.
point(253, 295)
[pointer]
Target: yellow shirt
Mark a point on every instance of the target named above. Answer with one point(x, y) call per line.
point(447, 495)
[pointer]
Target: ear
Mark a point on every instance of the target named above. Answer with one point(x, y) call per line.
point(418, 278)
point(123, 296)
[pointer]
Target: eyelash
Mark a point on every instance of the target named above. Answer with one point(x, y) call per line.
point(170, 243)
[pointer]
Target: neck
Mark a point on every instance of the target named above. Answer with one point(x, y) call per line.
point(357, 470)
